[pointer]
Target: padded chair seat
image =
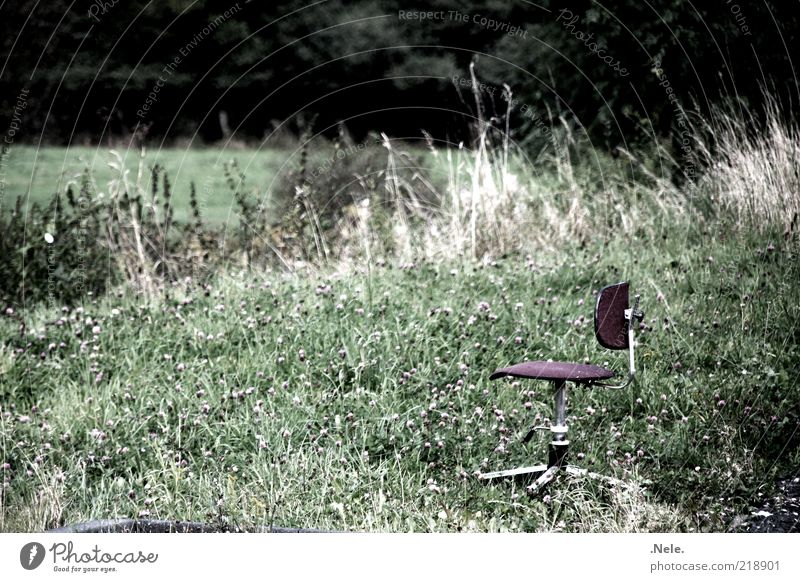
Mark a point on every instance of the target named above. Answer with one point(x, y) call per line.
point(579, 373)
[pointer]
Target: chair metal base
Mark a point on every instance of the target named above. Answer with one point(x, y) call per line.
point(557, 451)
point(548, 474)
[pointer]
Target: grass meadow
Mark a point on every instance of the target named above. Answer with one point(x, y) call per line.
point(38, 173)
point(349, 390)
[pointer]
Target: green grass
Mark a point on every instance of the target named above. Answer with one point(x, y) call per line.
point(362, 401)
point(37, 174)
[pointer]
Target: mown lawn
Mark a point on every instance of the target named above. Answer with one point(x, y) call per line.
point(36, 174)
point(362, 401)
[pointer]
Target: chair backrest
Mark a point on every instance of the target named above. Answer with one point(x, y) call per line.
point(610, 325)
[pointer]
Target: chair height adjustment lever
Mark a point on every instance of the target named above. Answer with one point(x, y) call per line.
point(526, 439)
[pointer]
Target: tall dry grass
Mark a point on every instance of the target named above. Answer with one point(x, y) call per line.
point(497, 198)
point(478, 200)
point(751, 172)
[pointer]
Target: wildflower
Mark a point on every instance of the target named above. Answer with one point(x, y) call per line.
point(98, 434)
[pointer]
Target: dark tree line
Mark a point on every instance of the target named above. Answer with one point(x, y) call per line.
point(624, 70)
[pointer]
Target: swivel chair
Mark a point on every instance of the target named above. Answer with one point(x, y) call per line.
point(614, 322)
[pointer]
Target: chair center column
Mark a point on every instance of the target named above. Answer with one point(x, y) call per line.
point(560, 444)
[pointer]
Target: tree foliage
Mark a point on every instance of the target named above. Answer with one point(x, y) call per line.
point(91, 65)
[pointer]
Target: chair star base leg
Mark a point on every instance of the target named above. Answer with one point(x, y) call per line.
point(518, 472)
point(543, 480)
point(578, 472)
point(548, 474)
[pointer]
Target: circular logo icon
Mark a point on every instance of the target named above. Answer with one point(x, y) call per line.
point(31, 555)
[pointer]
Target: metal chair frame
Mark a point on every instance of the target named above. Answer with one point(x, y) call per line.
point(559, 445)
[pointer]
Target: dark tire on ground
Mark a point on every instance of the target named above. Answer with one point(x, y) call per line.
point(780, 514)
